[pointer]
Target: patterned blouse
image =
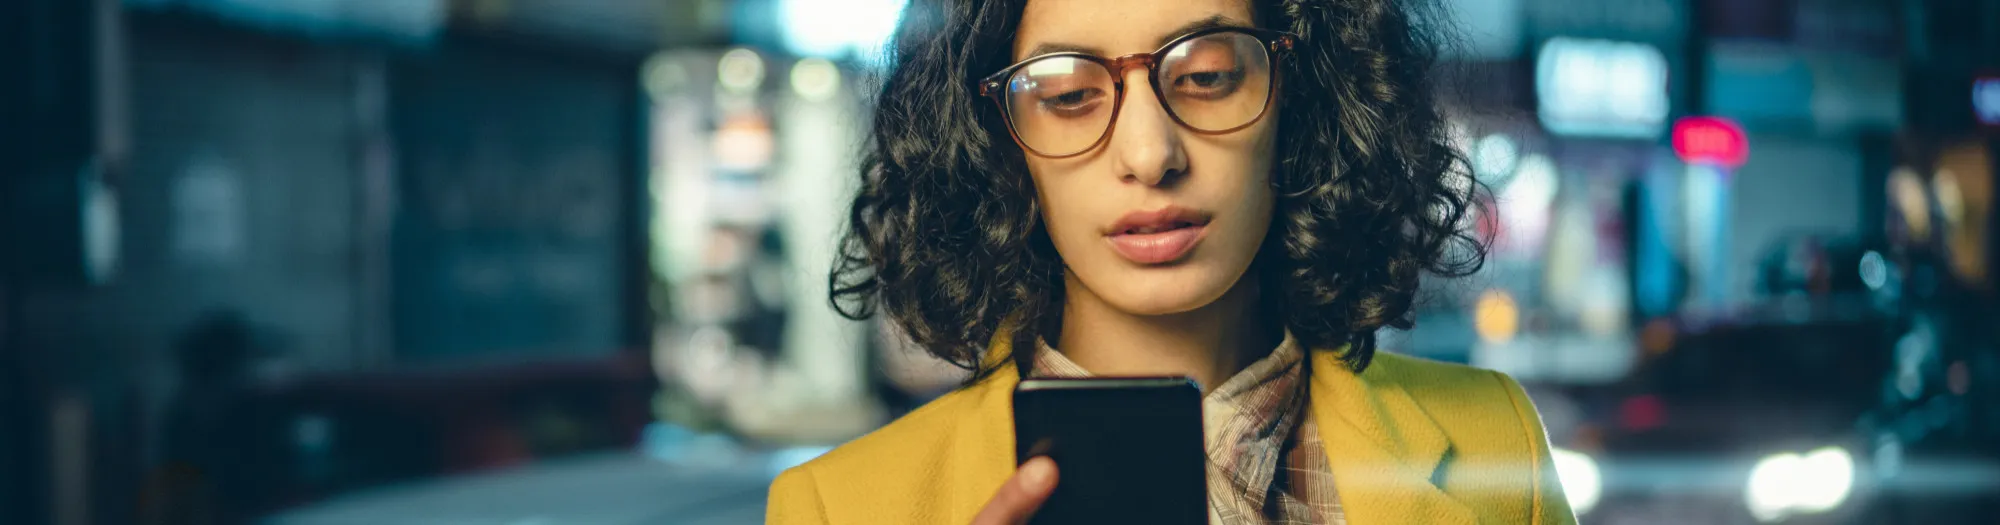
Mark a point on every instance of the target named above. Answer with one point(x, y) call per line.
point(1266, 463)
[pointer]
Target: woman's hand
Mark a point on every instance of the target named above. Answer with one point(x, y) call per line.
point(1021, 496)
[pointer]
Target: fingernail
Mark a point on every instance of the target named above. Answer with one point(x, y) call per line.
point(1035, 474)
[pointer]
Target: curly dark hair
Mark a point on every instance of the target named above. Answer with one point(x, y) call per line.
point(945, 237)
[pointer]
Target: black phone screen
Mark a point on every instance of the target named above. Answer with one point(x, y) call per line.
point(1127, 450)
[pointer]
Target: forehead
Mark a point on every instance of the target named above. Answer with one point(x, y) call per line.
point(1116, 27)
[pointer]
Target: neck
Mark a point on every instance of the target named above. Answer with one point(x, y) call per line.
point(1208, 344)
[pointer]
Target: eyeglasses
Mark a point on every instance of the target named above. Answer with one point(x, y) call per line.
point(1212, 81)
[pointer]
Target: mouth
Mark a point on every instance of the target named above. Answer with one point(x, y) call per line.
point(1158, 237)
point(1157, 228)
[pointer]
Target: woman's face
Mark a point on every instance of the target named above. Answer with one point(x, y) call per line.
point(1158, 219)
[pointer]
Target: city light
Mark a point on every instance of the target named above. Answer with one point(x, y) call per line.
point(1986, 100)
point(663, 76)
point(1496, 317)
point(1957, 378)
point(1711, 140)
point(1874, 271)
point(1950, 199)
point(815, 79)
point(1602, 88)
point(740, 71)
point(1911, 200)
point(1495, 158)
point(1888, 456)
point(839, 29)
point(1524, 204)
point(1581, 482)
point(1827, 475)
point(1788, 484)
point(744, 143)
point(101, 233)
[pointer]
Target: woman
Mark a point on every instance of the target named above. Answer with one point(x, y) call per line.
point(1244, 198)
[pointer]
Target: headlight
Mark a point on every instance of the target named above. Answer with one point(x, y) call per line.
point(1580, 480)
point(1786, 484)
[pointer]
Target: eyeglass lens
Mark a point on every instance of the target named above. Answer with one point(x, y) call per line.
point(1062, 105)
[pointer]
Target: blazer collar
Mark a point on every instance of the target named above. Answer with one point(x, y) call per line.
point(987, 437)
point(1384, 449)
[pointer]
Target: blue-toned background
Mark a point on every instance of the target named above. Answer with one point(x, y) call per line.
point(562, 261)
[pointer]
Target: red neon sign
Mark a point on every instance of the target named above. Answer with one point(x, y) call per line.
point(1711, 140)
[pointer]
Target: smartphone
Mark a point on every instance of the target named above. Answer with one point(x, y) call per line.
point(1127, 450)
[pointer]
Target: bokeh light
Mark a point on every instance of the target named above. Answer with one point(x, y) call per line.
point(1497, 318)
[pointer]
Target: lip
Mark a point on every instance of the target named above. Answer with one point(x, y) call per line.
point(1174, 231)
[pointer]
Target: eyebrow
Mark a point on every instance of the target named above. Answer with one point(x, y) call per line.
point(1213, 22)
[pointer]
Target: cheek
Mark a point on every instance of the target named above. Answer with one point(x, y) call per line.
point(1074, 209)
point(1063, 213)
point(1245, 189)
point(1240, 168)
point(1260, 188)
point(1263, 148)
point(1060, 215)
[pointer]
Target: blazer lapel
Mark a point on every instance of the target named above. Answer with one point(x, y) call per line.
point(985, 442)
point(1383, 448)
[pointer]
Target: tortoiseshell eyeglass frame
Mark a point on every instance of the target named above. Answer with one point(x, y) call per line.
point(1277, 44)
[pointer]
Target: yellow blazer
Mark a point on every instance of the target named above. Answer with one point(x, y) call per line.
point(1409, 440)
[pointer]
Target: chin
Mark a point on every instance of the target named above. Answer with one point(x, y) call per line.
point(1166, 290)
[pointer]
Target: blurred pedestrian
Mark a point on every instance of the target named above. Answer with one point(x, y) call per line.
point(210, 474)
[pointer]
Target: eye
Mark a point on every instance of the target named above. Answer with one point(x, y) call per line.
point(1206, 70)
point(1074, 102)
point(1062, 87)
point(1211, 80)
point(1209, 84)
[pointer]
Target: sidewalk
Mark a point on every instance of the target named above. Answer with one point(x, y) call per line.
point(617, 489)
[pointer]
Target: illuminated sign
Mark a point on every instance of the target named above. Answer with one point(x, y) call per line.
point(1711, 140)
point(1602, 88)
point(1986, 100)
point(837, 30)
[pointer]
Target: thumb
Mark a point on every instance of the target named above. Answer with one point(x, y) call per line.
point(1022, 495)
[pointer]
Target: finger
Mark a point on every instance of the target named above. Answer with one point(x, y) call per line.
point(1023, 493)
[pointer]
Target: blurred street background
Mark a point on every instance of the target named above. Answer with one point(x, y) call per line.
point(555, 262)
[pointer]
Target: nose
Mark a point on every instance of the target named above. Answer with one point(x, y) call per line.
point(1145, 141)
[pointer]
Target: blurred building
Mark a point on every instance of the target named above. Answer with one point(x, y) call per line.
point(426, 216)
point(1720, 237)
